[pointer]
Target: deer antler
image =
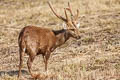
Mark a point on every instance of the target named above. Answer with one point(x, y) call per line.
point(66, 14)
point(77, 15)
point(70, 9)
point(72, 15)
point(60, 17)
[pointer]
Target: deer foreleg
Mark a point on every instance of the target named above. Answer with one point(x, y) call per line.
point(47, 55)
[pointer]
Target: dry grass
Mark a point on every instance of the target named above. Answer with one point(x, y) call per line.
point(96, 56)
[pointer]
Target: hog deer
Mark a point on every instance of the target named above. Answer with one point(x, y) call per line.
point(38, 40)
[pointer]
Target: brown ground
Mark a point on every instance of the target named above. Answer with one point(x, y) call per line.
point(96, 56)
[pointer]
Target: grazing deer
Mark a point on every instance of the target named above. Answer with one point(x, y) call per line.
point(38, 40)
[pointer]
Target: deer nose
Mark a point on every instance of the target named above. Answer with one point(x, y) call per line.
point(78, 37)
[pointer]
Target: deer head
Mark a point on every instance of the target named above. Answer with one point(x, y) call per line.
point(72, 23)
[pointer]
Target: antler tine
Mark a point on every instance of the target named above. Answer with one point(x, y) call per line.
point(70, 9)
point(60, 17)
point(66, 14)
point(77, 15)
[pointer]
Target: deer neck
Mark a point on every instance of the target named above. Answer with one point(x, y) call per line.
point(61, 37)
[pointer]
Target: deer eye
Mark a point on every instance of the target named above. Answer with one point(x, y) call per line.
point(72, 30)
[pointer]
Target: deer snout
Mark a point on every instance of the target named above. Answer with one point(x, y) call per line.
point(78, 37)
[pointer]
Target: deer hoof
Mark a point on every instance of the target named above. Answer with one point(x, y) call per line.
point(36, 76)
point(39, 76)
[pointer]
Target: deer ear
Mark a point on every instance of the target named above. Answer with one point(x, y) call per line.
point(78, 25)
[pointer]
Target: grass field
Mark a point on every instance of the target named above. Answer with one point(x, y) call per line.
point(96, 56)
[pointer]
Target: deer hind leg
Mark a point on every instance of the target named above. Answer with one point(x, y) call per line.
point(29, 64)
point(21, 62)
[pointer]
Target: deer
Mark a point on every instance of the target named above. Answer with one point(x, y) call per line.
point(35, 40)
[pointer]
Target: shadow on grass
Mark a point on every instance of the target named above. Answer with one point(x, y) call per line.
point(12, 73)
